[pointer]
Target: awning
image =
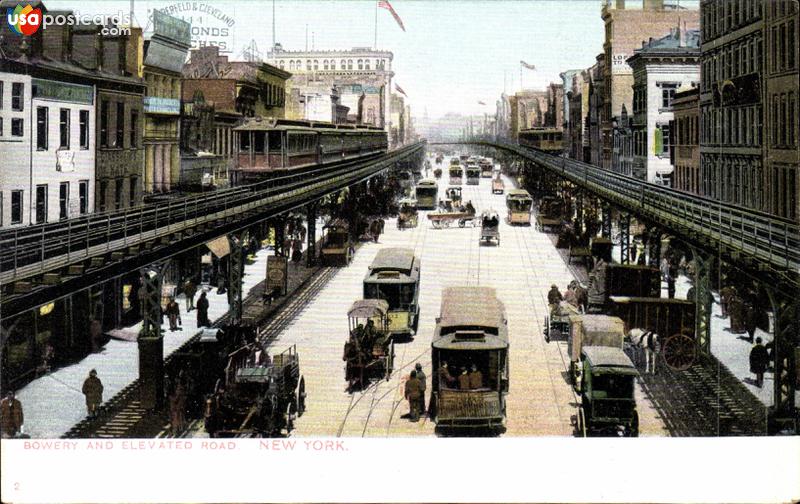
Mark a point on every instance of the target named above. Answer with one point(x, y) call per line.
point(219, 246)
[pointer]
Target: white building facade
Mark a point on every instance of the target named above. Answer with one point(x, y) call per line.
point(659, 69)
point(47, 150)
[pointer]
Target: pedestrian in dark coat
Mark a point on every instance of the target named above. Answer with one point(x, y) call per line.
point(671, 277)
point(736, 311)
point(422, 378)
point(445, 378)
point(463, 380)
point(189, 290)
point(413, 391)
point(173, 312)
point(750, 319)
point(93, 390)
point(177, 409)
point(11, 418)
point(758, 362)
point(202, 311)
point(725, 295)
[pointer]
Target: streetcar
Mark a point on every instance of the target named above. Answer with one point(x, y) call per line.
point(394, 277)
point(608, 405)
point(336, 245)
point(427, 193)
point(369, 349)
point(456, 174)
point(473, 174)
point(266, 145)
point(490, 228)
point(470, 355)
point(487, 167)
point(519, 204)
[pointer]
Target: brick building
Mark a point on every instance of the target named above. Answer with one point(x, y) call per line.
point(686, 132)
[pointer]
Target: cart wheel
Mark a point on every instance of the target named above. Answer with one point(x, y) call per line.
point(635, 424)
point(437, 224)
point(581, 422)
point(301, 396)
point(461, 223)
point(446, 223)
point(547, 329)
point(679, 352)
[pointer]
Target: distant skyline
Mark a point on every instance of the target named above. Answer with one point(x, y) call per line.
point(453, 53)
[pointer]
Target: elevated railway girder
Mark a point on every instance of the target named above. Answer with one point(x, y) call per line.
point(51, 261)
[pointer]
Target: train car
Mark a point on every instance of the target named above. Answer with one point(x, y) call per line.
point(427, 193)
point(266, 145)
point(519, 204)
point(548, 140)
point(470, 353)
point(394, 277)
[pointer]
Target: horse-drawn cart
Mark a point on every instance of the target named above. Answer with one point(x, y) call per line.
point(445, 219)
point(607, 393)
point(490, 227)
point(369, 351)
point(558, 323)
point(592, 331)
point(407, 216)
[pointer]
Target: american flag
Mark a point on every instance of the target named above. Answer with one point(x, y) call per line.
point(527, 65)
point(384, 4)
point(400, 90)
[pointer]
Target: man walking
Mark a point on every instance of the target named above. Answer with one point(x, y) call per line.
point(11, 418)
point(174, 314)
point(423, 386)
point(93, 390)
point(189, 290)
point(758, 361)
point(412, 392)
point(202, 311)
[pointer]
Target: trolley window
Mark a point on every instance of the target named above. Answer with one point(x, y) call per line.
point(398, 295)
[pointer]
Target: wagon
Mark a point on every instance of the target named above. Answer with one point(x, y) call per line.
point(453, 193)
point(490, 227)
point(336, 244)
point(445, 219)
point(261, 396)
point(557, 324)
point(592, 331)
point(407, 217)
point(608, 405)
point(369, 350)
point(498, 187)
point(672, 319)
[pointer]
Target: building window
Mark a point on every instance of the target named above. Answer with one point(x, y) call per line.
point(291, 64)
point(2, 96)
point(84, 127)
point(663, 132)
point(333, 64)
point(41, 128)
point(63, 125)
point(16, 127)
point(343, 65)
point(120, 137)
point(667, 94)
point(361, 64)
point(104, 116)
point(1, 126)
point(324, 64)
point(134, 129)
point(316, 64)
point(83, 196)
point(349, 64)
point(103, 193)
point(16, 207)
point(791, 47)
point(118, 187)
point(308, 65)
point(366, 64)
point(281, 64)
point(63, 200)
point(17, 96)
point(41, 204)
point(132, 190)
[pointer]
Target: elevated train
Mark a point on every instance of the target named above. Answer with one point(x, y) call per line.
point(267, 145)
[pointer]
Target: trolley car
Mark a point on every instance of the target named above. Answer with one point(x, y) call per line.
point(427, 194)
point(336, 245)
point(487, 167)
point(471, 338)
point(394, 277)
point(456, 173)
point(473, 174)
point(369, 350)
point(519, 204)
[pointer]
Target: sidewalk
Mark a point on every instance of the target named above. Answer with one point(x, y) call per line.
point(53, 403)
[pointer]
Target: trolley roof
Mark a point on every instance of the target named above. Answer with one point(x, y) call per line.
point(426, 183)
point(367, 308)
point(611, 359)
point(518, 193)
point(649, 300)
point(393, 259)
point(471, 318)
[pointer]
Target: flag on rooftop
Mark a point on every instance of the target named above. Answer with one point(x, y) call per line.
point(384, 4)
point(527, 65)
point(400, 90)
point(481, 103)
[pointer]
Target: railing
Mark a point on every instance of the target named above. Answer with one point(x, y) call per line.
point(761, 236)
point(37, 249)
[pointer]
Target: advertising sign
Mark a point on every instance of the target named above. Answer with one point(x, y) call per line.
point(157, 105)
point(63, 91)
point(619, 65)
point(277, 274)
point(212, 24)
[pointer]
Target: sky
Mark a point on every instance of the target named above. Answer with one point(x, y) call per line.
point(453, 54)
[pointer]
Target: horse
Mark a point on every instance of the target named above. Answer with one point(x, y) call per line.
point(649, 343)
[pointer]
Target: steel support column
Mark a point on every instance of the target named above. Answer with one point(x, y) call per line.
point(625, 238)
point(152, 277)
point(783, 414)
point(579, 213)
point(311, 252)
point(150, 341)
point(280, 235)
point(605, 226)
point(703, 266)
point(235, 274)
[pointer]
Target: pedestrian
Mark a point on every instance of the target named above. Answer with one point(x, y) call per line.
point(177, 409)
point(423, 387)
point(413, 390)
point(554, 297)
point(736, 312)
point(750, 319)
point(93, 390)
point(202, 311)
point(725, 295)
point(95, 332)
point(189, 289)
point(11, 418)
point(759, 359)
point(174, 314)
point(671, 277)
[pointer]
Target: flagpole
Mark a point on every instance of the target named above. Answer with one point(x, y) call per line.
point(376, 25)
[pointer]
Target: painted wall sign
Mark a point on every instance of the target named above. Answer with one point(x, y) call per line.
point(63, 91)
point(157, 105)
point(619, 64)
point(212, 24)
